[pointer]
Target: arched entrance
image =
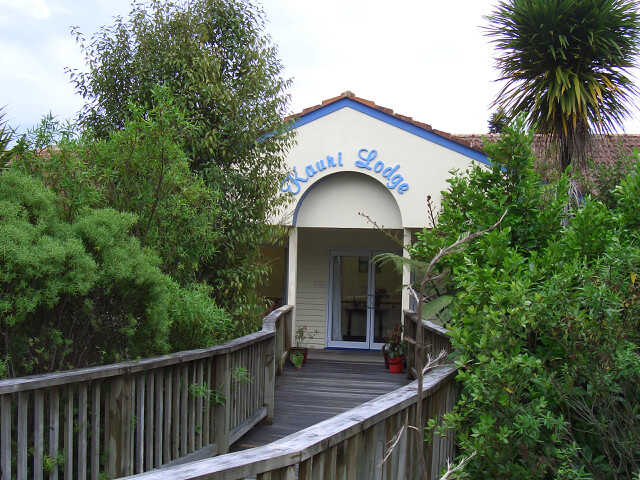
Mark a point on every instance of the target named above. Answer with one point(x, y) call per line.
point(341, 294)
point(347, 200)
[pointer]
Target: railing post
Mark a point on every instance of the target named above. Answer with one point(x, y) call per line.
point(119, 411)
point(410, 326)
point(288, 331)
point(223, 409)
point(5, 436)
point(269, 361)
point(278, 344)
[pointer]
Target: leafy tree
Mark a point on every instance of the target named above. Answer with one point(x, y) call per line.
point(544, 322)
point(225, 74)
point(565, 63)
point(141, 169)
point(196, 321)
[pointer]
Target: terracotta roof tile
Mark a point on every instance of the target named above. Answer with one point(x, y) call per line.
point(604, 149)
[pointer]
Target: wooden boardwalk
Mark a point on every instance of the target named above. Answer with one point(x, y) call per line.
point(331, 382)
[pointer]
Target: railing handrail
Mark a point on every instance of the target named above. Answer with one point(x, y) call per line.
point(33, 382)
point(433, 327)
point(300, 446)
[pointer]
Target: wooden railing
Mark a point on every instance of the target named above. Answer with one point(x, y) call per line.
point(435, 337)
point(132, 417)
point(379, 439)
point(352, 445)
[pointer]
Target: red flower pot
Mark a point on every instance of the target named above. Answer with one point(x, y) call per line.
point(396, 364)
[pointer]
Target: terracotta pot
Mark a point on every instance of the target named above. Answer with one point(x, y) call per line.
point(396, 364)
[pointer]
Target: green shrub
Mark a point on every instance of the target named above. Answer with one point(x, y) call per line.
point(143, 169)
point(601, 179)
point(545, 323)
point(627, 195)
point(196, 321)
point(73, 294)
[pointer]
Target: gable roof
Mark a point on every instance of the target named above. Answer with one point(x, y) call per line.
point(387, 115)
point(604, 150)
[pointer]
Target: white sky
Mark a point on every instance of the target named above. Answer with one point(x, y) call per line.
point(425, 59)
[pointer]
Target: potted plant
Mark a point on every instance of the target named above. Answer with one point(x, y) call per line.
point(301, 336)
point(394, 351)
point(297, 359)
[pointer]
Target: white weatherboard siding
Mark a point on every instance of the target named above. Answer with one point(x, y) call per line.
point(314, 246)
point(423, 165)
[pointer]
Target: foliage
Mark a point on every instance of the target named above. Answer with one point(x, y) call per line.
point(602, 178)
point(545, 322)
point(73, 293)
point(565, 64)
point(4, 366)
point(296, 359)
point(225, 74)
point(477, 197)
point(498, 121)
point(241, 375)
point(196, 320)
point(140, 169)
point(213, 395)
point(395, 347)
point(6, 136)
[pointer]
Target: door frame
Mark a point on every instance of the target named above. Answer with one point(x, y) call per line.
point(368, 344)
point(353, 252)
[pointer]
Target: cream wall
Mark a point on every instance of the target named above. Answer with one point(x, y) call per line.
point(314, 245)
point(424, 165)
point(339, 200)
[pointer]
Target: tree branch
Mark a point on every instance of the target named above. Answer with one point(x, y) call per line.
point(450, 470)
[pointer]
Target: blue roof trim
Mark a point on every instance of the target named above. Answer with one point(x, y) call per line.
point(391, 120)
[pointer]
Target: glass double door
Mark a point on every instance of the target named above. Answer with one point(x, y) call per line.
point(365, 300)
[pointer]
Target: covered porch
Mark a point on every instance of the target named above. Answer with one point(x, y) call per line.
point(342, 298)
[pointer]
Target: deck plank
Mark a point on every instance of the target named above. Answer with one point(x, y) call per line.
point(329, 383)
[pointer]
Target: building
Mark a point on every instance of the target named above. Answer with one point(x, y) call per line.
point(360, 175)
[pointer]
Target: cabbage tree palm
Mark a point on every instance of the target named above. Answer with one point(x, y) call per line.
point(566, 67)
